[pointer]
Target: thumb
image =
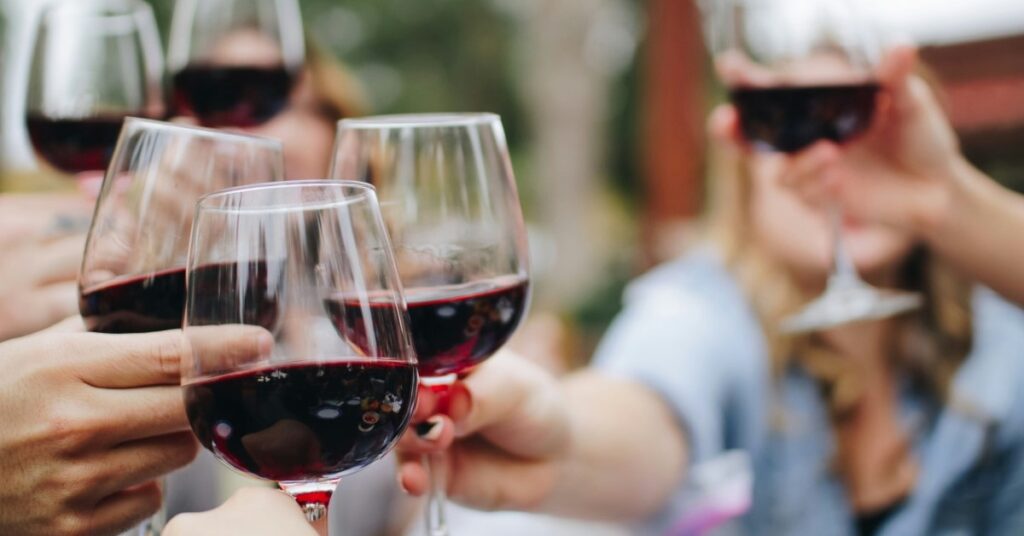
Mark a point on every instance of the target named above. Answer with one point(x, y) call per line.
point(517, 406)
point(150, 359)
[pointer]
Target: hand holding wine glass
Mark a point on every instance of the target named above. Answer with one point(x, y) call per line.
point(511, 427)
point(91, 421)
point(903, 169)
point(802, 78)
point(449, 199)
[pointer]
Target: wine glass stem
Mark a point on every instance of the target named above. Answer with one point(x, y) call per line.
point(437, 521)
point(437, 470)
point(844, 272)
point(316, 505)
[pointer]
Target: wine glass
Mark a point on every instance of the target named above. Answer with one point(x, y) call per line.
point(449, 200)
point(800, 72)
point(234, 62)
point(95, 62)
point(133, 270)
point(306, 265)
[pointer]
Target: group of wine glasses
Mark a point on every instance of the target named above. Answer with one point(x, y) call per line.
point(409, 265)
point(232, 63)
point(800, 72)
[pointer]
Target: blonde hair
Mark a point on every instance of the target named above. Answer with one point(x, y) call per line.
point(930, 344)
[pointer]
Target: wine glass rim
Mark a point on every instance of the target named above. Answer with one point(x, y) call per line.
point(426, 120)
point(118, 9)
point(365, 192)
point(200, 131)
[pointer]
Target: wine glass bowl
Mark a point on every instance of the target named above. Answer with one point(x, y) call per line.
point(323, 393)
point(94, 63)
point(234, 62)
point(133, 269)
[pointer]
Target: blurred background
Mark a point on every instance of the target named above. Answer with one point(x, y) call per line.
point(604, 104)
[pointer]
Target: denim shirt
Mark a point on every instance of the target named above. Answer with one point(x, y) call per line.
point(689, 334)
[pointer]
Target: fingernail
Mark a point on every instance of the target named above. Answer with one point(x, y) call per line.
point(430, 430)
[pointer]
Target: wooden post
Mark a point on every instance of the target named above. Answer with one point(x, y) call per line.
point(673, 124)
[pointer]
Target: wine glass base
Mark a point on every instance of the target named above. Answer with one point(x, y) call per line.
point(841, 306)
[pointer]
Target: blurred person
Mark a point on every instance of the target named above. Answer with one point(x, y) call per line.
point(91, 421)
point(911, 425)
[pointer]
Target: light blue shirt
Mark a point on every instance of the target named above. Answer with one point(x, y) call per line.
point(689, 334)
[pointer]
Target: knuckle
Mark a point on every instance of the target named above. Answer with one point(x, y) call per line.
point(168, 355)
point(68, 428)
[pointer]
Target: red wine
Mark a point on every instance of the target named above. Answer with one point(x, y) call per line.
point(453, 328)
point(789, 119)
point(156, 302)
point(305, 421)
point(75, 145)
point(231, 96)
point(153, 302)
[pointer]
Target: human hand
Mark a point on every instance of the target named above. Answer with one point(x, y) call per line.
point(90, 422)
point(42, 237)
point(250, 511)
point(506, 431)
point(904, 171)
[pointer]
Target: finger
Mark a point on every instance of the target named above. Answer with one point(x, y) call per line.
point(57, 261)
point(806, 168)
point(516, 405)
point(138, 462)
point(413, 477)
point(431, 436)
point(71, 324)
point(724, 125)
point(121, 511)
point(896, 66)
point(127, 361)
point(480, 466)
point(133, 414)
point(31, 311)
point(225, 348)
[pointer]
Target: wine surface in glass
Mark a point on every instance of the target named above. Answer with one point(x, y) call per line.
point(454, 328)
point(75, 145)
point(791, 118)
point(142, 304)
point(223, 96)
point(304, 421)
point(156, 302)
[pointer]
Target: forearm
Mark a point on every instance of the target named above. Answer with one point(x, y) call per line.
point(627, 453)
point(978, 226)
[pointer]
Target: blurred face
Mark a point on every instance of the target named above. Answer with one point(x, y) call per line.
point(307, 136)
point(797, 232)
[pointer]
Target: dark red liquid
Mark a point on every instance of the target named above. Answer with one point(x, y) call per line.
point(153, 302)
point(454, 328)
point(231, 96)
point(789, 119)
point(156, 302)
point(304, 422)
point(75, 145)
